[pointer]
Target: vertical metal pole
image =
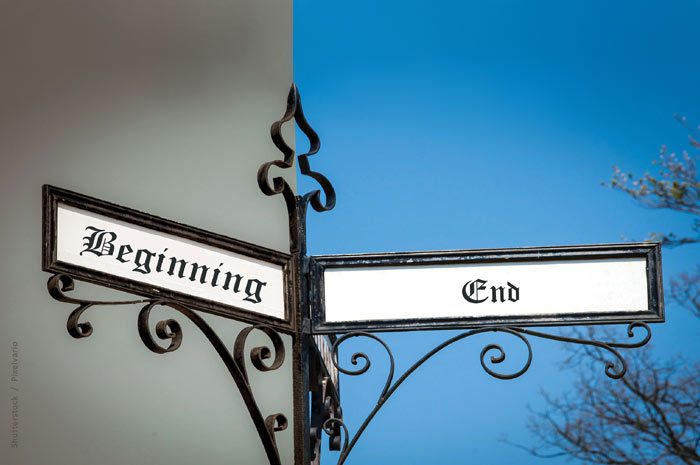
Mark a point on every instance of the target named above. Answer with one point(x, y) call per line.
point(300, 349)
point(296, 207)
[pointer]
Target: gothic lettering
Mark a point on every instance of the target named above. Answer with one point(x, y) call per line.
point(470, 292)
point(143, 261)
point(124, 250)
point(513, 293)
point(497, 292)
point(102, 244)
point(183, 264)
point(215, 278)
point(161, 257)
point(99, 242)
point(228, 281)
point(253, 295)
point(202, 276)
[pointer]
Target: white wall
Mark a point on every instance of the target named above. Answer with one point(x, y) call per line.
point(163, 106)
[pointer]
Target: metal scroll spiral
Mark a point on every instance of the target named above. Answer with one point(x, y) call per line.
point(169, 330)
point(279, 185)
point(615, 368)
point(327, 418)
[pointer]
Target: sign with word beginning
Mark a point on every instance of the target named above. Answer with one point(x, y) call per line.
point(128, 250)
point(452, 289)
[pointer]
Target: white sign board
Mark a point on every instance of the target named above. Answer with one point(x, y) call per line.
point(557, 285)
point(132, 251)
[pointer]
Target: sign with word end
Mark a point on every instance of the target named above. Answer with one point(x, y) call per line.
point(460, 289)
point(128, 250)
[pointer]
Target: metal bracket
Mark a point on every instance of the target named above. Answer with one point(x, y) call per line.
point(171, 331)
point(614, 369)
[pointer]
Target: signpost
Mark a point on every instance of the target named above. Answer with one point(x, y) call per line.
point(469, 288)
point(132, 251)
point(315, 298)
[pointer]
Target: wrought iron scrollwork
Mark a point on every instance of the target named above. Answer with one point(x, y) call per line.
point(296, 205)
point(279, 185)
point(170, 330)
point(327, 418)
point(59, 284)
point(613, 369)
point(325, 406)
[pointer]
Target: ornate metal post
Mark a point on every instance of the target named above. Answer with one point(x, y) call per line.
point(297, 208)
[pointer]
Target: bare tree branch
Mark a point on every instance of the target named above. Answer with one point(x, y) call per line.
point(685, 290)
point(652, 415)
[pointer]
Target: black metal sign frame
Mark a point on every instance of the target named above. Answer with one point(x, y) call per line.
point(53, 196)
point(651, 252)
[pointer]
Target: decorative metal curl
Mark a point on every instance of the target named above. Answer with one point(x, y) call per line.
point(258, 354)
point(59, 284)
point(361, 355)
point(294, 111)
point(326, 408)
point(296, 205)
point(330, 426)
point(170, 330)
point(611, 369)
point(276, 422)
point(495, 359)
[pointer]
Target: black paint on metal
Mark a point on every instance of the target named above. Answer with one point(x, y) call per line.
point(170, 330)
point(303, 350)
point(52, 196)
point(647, 250)
point(295, 204)
point(614, 369)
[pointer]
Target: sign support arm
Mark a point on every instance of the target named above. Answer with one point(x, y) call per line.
point(615, 368)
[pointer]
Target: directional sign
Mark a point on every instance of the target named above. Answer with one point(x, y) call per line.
point(132, 251)
point(458, 289)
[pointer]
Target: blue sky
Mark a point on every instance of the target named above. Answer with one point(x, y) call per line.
point(463, 125)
